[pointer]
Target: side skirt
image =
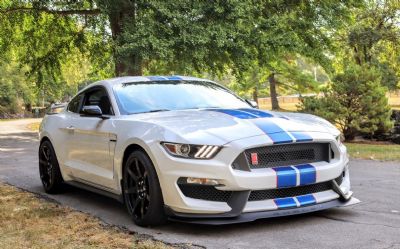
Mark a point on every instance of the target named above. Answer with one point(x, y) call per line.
point(96, 190)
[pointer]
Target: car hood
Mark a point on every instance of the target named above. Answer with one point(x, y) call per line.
point(219, 126)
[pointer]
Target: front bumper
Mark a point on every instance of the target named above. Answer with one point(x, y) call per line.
point(242, 183)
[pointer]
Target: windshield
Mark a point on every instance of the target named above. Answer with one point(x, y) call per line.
point(154, 96)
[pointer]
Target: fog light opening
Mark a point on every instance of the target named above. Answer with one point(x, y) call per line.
point(202, 181)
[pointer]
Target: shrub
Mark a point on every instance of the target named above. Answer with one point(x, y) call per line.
point(355, 102)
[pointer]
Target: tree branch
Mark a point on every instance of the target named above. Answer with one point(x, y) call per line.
point(55, 12)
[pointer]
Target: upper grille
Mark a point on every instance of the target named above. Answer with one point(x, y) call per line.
point(285, 155)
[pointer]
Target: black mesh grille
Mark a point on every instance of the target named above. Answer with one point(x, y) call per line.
point(259, 195)
point(287, 154)
point(203, 192)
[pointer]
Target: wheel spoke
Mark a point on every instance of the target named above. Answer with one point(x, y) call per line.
point(130, 172)
point(44, 150)
point(142, 207)
point(131, 190)
point(138, 168)
point(136, 205)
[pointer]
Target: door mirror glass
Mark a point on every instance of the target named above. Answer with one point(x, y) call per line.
point(92, 110)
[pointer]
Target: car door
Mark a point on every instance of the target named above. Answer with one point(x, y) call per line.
point(90, 151)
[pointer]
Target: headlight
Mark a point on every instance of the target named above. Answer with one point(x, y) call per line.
point(191, 150)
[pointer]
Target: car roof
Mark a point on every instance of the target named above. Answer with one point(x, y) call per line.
point(131, 79)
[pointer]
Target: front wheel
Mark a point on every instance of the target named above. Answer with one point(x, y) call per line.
point(142, 192)
point(49, 169)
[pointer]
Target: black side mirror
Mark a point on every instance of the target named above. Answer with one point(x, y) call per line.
point(92, 111)
point(252, 103)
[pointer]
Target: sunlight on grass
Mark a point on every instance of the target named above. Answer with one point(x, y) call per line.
point(29, 222)
point(384, 152)
point(33, 126)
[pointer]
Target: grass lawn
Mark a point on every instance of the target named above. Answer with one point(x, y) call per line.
point(384, 152)
point(27, 221)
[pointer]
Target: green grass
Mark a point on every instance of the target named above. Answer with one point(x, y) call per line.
point(383, 152)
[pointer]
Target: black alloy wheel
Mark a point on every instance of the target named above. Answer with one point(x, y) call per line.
point(49, 169)
point(142, 193)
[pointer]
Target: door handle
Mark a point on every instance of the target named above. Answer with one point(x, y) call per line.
point(70, 128)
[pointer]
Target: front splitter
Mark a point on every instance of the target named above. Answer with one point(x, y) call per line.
point(248, 217)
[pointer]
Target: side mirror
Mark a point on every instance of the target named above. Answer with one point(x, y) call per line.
point(92, 111)
point(252, 103)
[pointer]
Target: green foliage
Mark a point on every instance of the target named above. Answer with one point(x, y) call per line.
point(14, 89)
point(355, 102)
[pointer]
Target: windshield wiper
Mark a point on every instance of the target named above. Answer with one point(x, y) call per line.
point(155, 110)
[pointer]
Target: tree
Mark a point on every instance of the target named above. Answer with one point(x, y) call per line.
point(291, 28)
point(373, 38)
point(186, 35)
point(355, 102)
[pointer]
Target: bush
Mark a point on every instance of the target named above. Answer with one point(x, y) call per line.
point(355, 102)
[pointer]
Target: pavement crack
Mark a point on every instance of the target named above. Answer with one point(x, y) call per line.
point(354, 222)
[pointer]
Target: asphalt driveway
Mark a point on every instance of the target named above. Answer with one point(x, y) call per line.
point(375, 223)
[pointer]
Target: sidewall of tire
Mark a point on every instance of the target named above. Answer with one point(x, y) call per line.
point(57, 182)
point(155, 214)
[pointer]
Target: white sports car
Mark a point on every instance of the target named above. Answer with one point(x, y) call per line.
point(189, 149)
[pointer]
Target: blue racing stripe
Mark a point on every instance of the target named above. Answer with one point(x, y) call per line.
point(156, 78)
point(305, 200)
point(285, 177)
point(174, 77)
point(235, 113)
point(301, 136)
point(285, 202)
point(308, 174)
point(258, 113)
point(276, 133)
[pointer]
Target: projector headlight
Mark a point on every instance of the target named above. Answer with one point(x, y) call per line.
point(191, 150)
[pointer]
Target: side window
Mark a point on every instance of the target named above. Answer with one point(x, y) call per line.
point(74, 104)
point(100, 98)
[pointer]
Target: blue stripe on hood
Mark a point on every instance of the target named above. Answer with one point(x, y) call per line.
point(268, 126)
point(258, 113)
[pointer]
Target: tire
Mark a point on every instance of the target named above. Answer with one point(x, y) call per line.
point(141, 190)
point(49, 169)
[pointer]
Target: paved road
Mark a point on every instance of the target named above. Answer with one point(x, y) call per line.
point(375, 223)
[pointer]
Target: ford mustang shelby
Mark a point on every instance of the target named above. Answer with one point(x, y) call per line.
point(189, 149)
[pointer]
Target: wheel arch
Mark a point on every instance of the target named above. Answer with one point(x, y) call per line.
point(45, 138)
point(135, 146)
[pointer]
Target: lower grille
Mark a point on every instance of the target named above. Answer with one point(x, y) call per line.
point(203, 192)
point(210, 193)
point(259, 195)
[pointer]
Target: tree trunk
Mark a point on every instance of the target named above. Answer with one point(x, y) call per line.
point(124, 65)
point(272, 89)
point(255, 94)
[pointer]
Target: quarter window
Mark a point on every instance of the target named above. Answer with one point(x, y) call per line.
point(74, 104)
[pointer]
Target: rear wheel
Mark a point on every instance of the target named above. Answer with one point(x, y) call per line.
point(49, 169)
point(142, 192)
